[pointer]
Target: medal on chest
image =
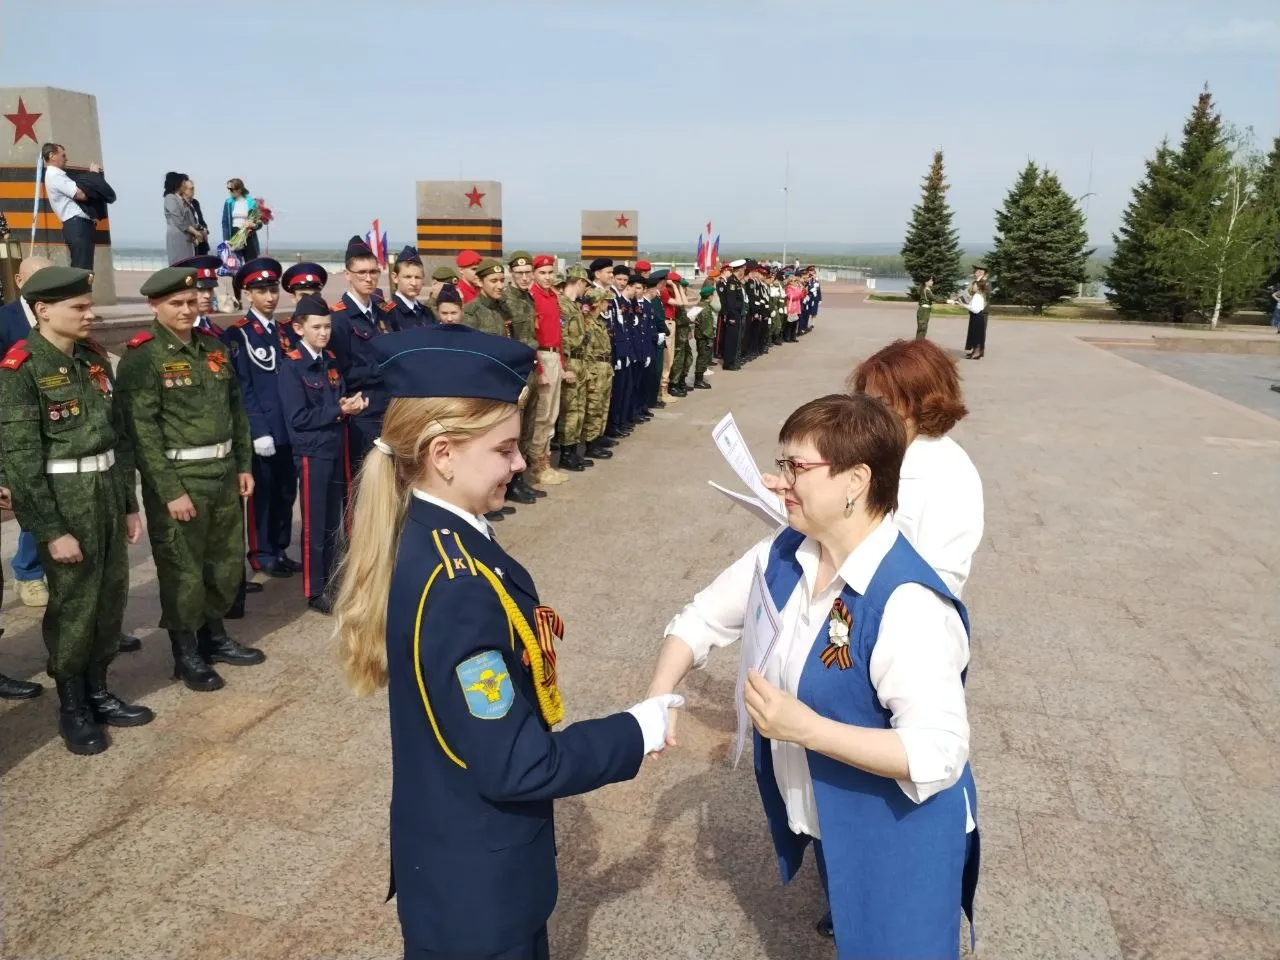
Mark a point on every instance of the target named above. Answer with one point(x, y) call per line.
point(98, 374)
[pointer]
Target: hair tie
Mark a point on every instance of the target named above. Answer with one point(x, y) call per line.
point(383, 446)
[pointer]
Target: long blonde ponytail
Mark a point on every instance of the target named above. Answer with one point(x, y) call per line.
point(378, 506)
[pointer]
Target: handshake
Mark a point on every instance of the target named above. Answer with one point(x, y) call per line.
point(655, 718)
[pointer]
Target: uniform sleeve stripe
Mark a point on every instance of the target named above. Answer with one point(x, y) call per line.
point(417, 660)
point(470, 563)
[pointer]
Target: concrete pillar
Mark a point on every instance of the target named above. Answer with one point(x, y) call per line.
point(34, 116)
point(610, 233)
point(457, 215)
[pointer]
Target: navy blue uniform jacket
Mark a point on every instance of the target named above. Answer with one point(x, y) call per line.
point(352, 344)
point(473, 779)
point(401, 316)
point(13, 324)
point(309, 392)
point(256, 357)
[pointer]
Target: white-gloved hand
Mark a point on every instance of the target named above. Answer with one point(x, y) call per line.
point(628, 361)
point(662, 339)
point(653, 715)
point(647, 361)
point(617, 364)
point(264, 447)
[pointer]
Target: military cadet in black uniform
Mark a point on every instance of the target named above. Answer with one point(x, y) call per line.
point(316, 410)
point(733, 313)
point(403, 310)
point(304, 279)
point(435, 609)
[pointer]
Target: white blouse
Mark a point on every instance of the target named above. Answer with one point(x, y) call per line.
point(915, 666)
point(940, 507)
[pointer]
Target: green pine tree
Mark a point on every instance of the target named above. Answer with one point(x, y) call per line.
point(1269, 198)
point(932, 246)
point(1006, 263)
point(1138, 284)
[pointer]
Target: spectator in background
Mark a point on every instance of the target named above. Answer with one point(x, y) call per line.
point(240, 219)
point(189, 194)
point(180, 231)
point(66, 199)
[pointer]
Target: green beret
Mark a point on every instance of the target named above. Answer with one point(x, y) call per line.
point(521, 258)
point(684, 282)
point(444, 274)
point(488, 266)
point(53, 284)
point(707, 291)
point(167, 281)
point(577, 273)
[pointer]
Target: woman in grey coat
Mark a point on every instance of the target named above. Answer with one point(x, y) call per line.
point(180, 230)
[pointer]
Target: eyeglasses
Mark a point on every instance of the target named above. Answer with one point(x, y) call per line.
point(365, 273)
point(789, 467)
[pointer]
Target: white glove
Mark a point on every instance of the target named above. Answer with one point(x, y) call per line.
point(662, 339)
point(264, 447)
point(647, 360)
point(653, 716)
point(628, 361)
point(617, 364)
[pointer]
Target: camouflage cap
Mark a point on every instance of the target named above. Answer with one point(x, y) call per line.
point(577, 272)
point(488, 266)
point(53, 284)
point(521, 258)
point(444, 274)
point(599, 295)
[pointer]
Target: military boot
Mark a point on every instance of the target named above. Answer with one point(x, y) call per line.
point(520, 492)
point(701, 384)
point(217, 647)
point(188, 666)
point(11, 689)
point(80, 732)
point(107, 707)
point(569, 460)
point(598, 450)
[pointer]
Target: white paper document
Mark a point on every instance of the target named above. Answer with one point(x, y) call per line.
point(765, 504)
point(760, 631)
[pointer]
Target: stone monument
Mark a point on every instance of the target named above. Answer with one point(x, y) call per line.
point(610, 233)
point(457, 215)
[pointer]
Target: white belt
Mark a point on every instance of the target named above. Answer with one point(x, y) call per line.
point(103, 461)
point(213, 452)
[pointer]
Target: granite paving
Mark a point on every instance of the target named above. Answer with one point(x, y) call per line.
point(1246, 379)
point(1124, 695)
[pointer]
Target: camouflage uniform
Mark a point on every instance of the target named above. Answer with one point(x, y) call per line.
point(683, 354)
point(573, 396)
point(778, 304)
point(599, 378)
point(704, 335)
point(523, 324)
point(191, 435)
point(56, 410)
point(488, 316)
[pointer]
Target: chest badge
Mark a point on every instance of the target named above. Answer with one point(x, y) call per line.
point(839, 625)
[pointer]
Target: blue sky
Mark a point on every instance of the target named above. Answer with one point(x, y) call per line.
point(684, 111)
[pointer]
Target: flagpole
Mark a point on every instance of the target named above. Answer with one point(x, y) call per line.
point(786, 205)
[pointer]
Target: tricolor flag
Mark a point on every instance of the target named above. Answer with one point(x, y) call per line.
point(706, 255)
point(713, 260)
point(377, 241)
point(698, 257)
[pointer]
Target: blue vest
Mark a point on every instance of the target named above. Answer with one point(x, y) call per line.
point(899, 872)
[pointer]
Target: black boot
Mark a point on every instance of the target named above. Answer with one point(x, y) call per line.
point(569, 460)
point(188, 666)
point(493, 516)
point(517, 492)
point(217, 647)
point(538, 492)
point(129, 644)
point(107, 707)
point(701, 384)
point(598, 450)
point(80, 732)
point(11, 689)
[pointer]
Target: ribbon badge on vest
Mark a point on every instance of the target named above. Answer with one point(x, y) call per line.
point(839, 626)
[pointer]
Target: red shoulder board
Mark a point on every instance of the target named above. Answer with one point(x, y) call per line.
point(140, 338)
point(330, 354)
point(337, 305)
point(96, 347)
point(207, 332)
point(386, 306)
point(16, 356)
point(294, 354)
point(242, 321)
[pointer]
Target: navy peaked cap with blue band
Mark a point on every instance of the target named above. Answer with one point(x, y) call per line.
point(453, 360)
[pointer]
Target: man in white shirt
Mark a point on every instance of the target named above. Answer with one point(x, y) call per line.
point(65, 198)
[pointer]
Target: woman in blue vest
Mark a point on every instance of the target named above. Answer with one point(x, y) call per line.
point(862, 738)
point(435, 610)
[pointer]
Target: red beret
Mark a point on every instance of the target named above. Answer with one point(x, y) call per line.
point(675, 277)
point(467, 258)
point(643, 265)
point(543, 260)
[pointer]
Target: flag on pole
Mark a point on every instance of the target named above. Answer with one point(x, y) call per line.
point(705, 259)
point(713, 260)
point(699, 258)
point(377, 241)
point(35, 210)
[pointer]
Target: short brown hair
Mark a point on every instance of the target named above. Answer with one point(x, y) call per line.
point(236, 185)
point(919, 380)
point(849, 430)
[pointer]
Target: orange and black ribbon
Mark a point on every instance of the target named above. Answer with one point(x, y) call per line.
point(550, 630)
point(838, 653)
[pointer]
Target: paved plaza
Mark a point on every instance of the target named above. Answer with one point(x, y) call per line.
point(1124, 695)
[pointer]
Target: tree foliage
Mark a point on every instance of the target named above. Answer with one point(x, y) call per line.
point(932, 246)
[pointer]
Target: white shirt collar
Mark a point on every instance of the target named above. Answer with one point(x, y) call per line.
point(480, 523)
point(267, 320)
point(411, 304)
point(860, 566)
point(365, 308)
point(26, 308)
point(315, 354)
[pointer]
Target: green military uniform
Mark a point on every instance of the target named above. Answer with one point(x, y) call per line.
point(67, 460)
point(599, 352)
point(573, 396)
point(524, 319)
point(778, 304)
point(704, 333)
point(191, 436)
point(445, 274)
point(682, 356)
point(485, 314)
point(924, 308)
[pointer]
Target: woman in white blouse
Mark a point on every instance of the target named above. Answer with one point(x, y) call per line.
point(862, 736)
point(940, 493)
point(975, 298)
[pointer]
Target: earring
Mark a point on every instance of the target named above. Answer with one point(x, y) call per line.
point(848, 505)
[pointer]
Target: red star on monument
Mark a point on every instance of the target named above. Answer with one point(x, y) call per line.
point(622, 220)
point(474, 197)
point(24, 122)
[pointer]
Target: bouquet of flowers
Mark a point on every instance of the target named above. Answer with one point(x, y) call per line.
point(258, 218)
